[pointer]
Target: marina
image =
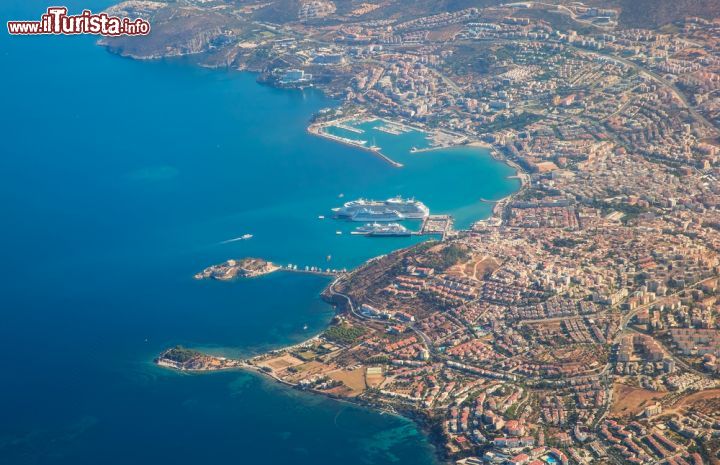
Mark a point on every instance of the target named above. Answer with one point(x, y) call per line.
point(393, 128)
point(350, 125)
point(388, 130)
point(343, 130)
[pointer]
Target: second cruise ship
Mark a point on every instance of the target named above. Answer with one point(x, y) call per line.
point(377, 229)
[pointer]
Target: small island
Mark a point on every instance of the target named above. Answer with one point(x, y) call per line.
point(244, 268)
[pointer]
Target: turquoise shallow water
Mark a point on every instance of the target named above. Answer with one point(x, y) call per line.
point(119, 180)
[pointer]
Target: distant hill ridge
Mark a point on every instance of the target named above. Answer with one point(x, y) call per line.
point(655, 13)
point(635, 13)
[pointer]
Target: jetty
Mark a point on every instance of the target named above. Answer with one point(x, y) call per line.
point(347, 127)
point(316, 270)
point(361, 144)
point(254, 267)
point(392, 128)
point(345, 140)
point(427, 149)
point(376, 150)
point(440, 225)
point(388, 130)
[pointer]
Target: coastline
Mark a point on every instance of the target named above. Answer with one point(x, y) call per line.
point(424, 426)
point(421, 421)
point(418, 417)
point(424, 423)
point(560, 101)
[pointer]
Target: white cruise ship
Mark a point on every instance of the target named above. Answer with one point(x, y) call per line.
point(377, 215)
point(404, 208)
point(377, 229)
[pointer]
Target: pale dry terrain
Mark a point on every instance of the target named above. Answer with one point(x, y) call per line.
point(630, 400)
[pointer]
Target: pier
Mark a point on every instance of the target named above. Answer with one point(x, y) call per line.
point(392, 128)
point(378, 153)
point(361, 144)
point(347, 127)
point(398, 126)
point(437, 225)
point(428, 149)
point(316, 270)
point(345, 140)
point(388, 130)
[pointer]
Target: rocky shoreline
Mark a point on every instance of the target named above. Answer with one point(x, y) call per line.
point(203, 363)
point(199, 363)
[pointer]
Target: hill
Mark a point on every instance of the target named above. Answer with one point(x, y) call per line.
point(656, 13)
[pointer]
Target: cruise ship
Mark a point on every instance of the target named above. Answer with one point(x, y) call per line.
point(400, 208)
point(376, 215)
point(377, 229)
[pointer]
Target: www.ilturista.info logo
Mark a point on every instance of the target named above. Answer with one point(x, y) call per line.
point(57, 21)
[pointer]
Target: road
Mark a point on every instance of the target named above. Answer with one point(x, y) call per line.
point(657, 78)
point(426, 340)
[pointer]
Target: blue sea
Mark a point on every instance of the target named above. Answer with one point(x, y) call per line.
point(119, 180)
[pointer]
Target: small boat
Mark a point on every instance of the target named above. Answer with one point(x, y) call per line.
point(341, 196)
point(321, 217)
point(244, 237)
point(339, 233)
point(305, 327)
